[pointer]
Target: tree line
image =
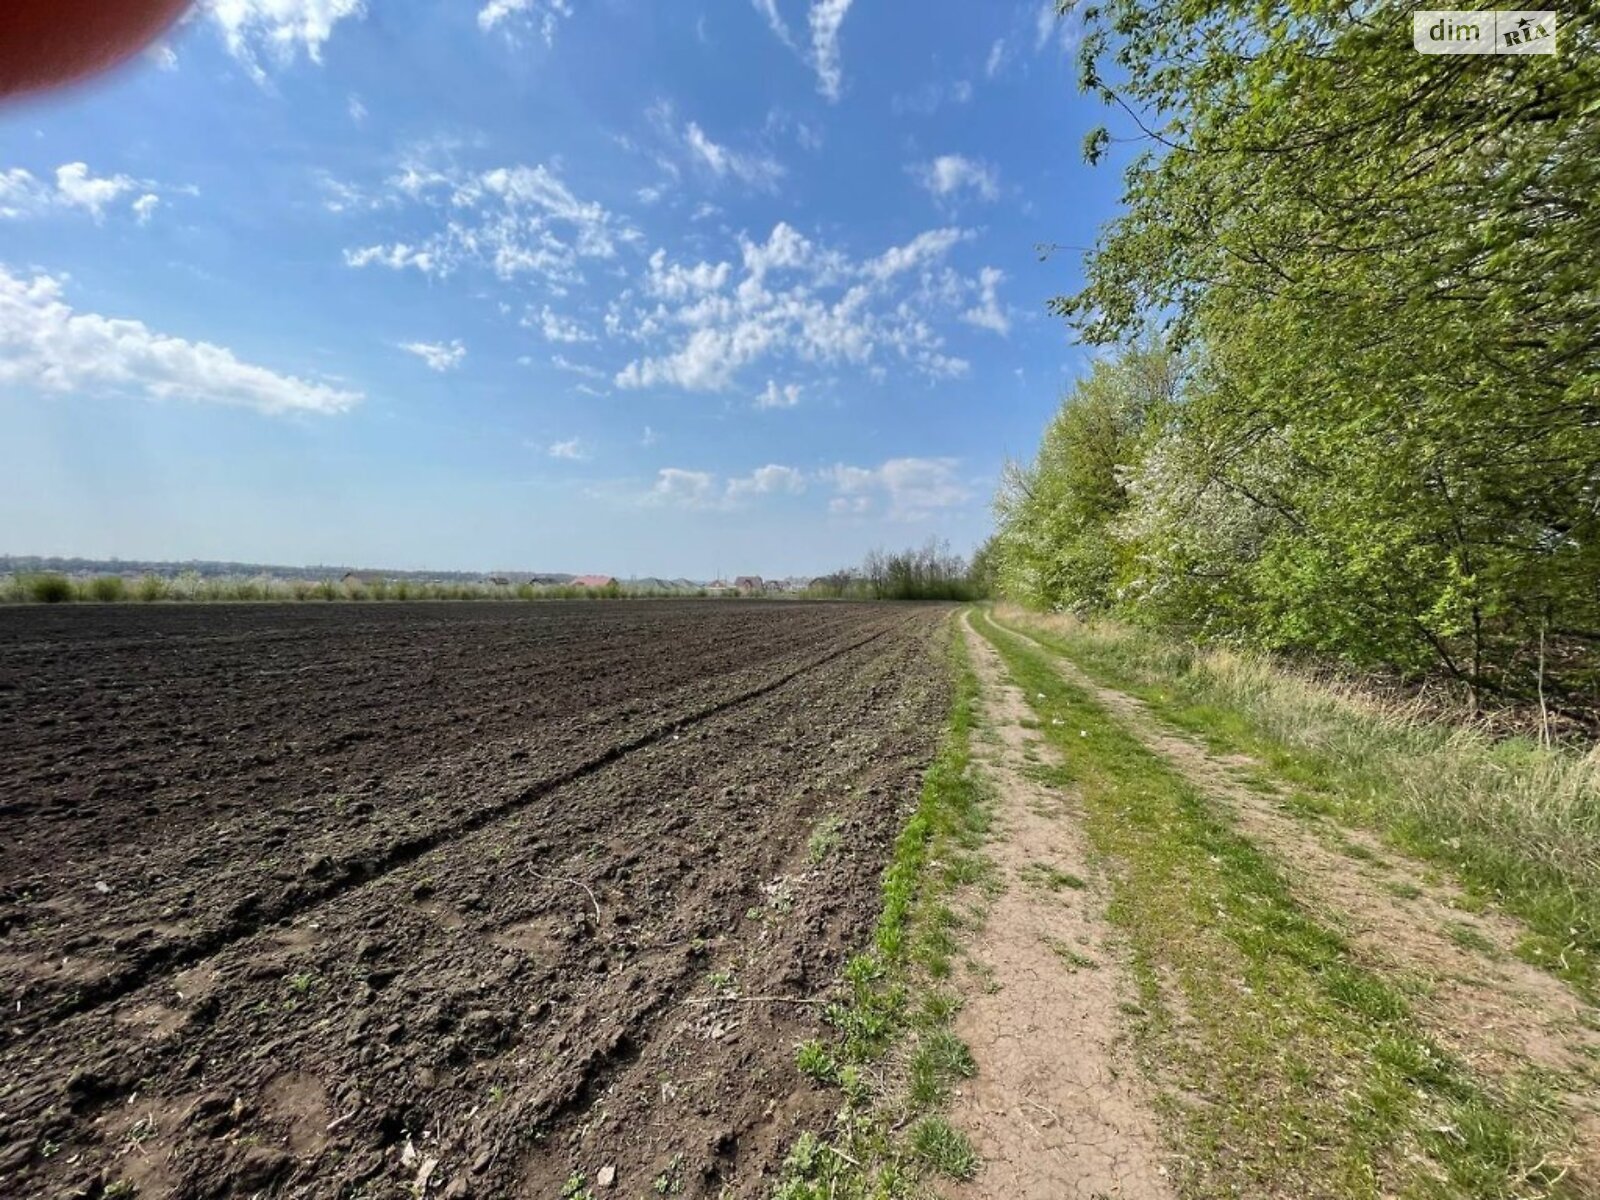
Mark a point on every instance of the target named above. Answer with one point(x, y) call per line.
point(1350, 401)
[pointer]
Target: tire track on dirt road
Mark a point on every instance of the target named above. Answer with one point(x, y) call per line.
point(1503, 1017)
point(1058, 1109)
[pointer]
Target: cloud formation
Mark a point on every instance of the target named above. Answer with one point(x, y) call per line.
point(279, 29)
point(903, 489)
point(794, 300)
point(950, 174)
point(512, 220)
point(439, 356)
point(76, 187)
point(45, 344)
point(547, 14)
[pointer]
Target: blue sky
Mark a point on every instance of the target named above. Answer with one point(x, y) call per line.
point(590, 285)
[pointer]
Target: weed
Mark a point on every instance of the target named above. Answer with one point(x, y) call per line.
point(939, 1060)
point(1044, 875)
point(576, 1188)
point(824, 839)
point(1468, 938)
point(814, 1060)
point(1074, 960)
point(670, 1181)
point(870, 1154)
point(944, 1148)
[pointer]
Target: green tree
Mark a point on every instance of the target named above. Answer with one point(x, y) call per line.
point(1389, 260)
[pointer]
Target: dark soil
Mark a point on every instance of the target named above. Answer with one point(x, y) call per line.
point(464, 900)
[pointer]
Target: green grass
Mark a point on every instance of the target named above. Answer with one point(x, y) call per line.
point(1512, 822)
point(1295, 1070)
point(893, 1022)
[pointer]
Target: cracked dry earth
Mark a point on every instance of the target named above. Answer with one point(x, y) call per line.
point(1058, 1110)
point(1489, 1008)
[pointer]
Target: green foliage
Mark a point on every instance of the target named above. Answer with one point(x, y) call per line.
point(108, 588)
point(49, 589)
point(1379, 265)
point(944, 1148)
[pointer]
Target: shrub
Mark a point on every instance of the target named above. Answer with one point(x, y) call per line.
point(50, 589)
point(108, 588)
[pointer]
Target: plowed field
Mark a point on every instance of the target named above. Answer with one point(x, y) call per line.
point(452, 899)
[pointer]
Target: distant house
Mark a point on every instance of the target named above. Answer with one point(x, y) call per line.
point(593, 581)
point(499, 581)
point(748, 584)
point(361, 578)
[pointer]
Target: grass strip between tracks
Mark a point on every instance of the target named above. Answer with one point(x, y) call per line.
point(892, 1055)
point(1513, 822)
point(1285, 1067)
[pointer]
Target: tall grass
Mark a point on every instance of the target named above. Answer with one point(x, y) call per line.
point(1515, 821)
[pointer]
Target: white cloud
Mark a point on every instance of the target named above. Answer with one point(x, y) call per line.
point(988, 314)
point(1051, 24)
point(548, 14)
point(996, 60)
point(280, 28)
point(356, 109)
point(931, 244)
point(562, 363)
point(396, 257)
point(768, 480)
point(512, 220)
point(905, 489)
point(759, 171)
point(825, 18)
point(573, 450)
point(951, 173)
point(557, 328)
point(22, 194)
point(45, 344)
point(650, 437)
point(77, 188)
point(672, 281)
point(690, 143)
point(674, 485)
point(439, 356)
point(796, 300)
point(786, 396)
point(775, 21)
